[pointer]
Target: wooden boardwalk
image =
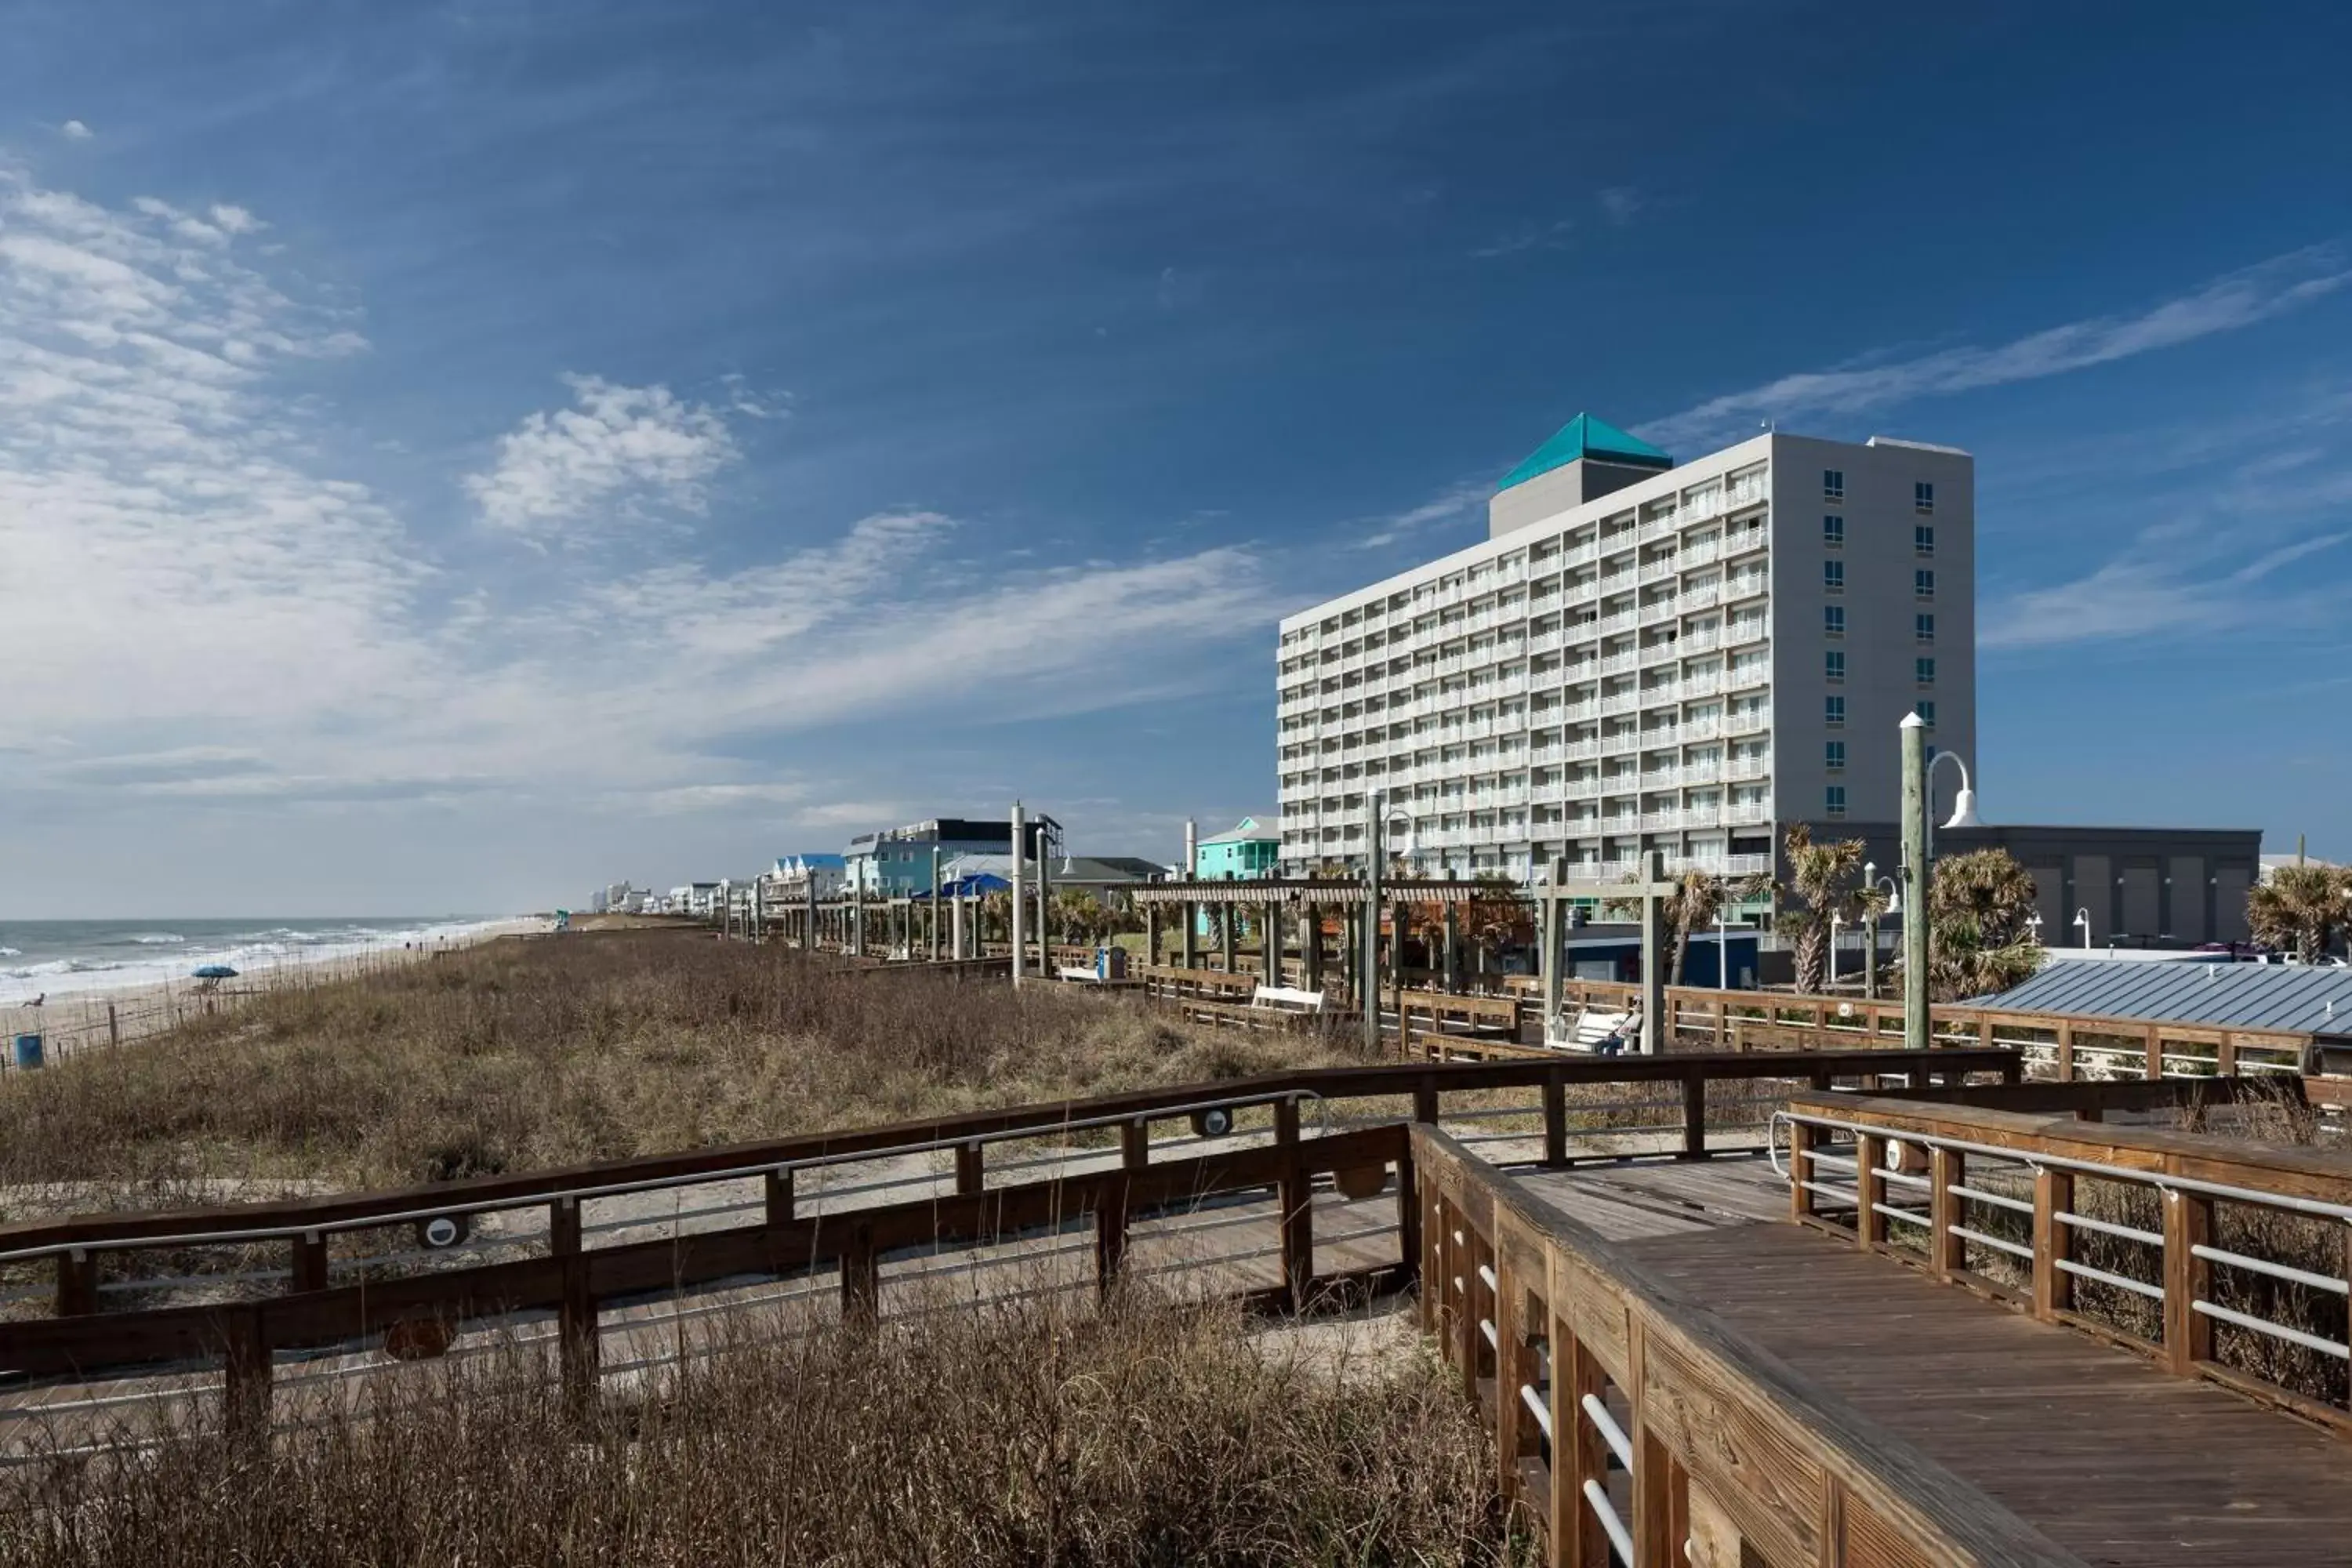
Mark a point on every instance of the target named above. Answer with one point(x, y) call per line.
point(2106, 1455)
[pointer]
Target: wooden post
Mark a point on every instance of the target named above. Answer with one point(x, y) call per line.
point(1410, 1240)
point(776, 1187)
point(2188, 1279)
point(2155, 1050)
point(1110, 1230)
point(1580, 1454)
point(1225, 930)
point(114, 1027)
point(1947, 1253)
point(1191, 938)
point(1151, 933)
point(861, 1278)
point(311, 1261)
point(1555, 1113)
point(1870, 1189)
point(246, 1376)
point(1508, 1411)
point(1694, 1113)
point(1430, 1299)
point(1269, 940)
point(577, 1344)
point(2053, 1288)
point(77, 1295)
point(1801, 1139)
point(969, 1175)
point(1135, 1144)
point(1297, 1194)
point(1453, 947)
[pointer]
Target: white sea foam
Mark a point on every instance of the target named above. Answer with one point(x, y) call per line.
point(254, 954)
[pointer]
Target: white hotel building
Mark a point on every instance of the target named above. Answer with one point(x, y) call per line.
point(1642, 655)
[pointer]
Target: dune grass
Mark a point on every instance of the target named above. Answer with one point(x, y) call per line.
point(524, 1055)
point(1144, 1433)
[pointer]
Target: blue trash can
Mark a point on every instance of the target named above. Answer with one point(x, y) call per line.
point(28, 1050)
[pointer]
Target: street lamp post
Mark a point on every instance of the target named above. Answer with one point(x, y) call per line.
point(2082, 919)
point(1379, 801)
point(1836, 921)
point(1913, 875)
point(1871, 882)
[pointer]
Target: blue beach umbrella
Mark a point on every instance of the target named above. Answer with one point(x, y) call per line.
point(216, 972)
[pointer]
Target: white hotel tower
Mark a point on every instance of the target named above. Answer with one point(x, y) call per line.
point(1642, 655)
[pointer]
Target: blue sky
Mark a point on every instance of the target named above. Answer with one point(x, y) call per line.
point(452, 456)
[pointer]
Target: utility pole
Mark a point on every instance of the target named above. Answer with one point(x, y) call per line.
point(1914, 882)
point(1020, 848)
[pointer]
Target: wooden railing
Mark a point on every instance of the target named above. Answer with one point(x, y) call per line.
point(1636, 1428)
point(2056, 1045)
point(2215, 1256)
point(1487, 1025)
point(363, 1269)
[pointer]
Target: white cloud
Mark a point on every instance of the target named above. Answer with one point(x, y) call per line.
point(2165, 585)
point(615, 452)
point(1454, 502)
point(2227, 303)
point(198, 615)
point(75, 131)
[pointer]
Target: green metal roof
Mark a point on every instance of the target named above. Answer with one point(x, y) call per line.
point(1585, 436)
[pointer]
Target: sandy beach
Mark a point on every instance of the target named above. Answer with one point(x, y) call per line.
point(80, 1019)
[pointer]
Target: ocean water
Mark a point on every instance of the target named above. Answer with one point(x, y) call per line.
point(64, 958)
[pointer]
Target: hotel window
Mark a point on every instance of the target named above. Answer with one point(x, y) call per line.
point(1923, 498)
point(1926, 712)
point(1923, 539)
point(1834, 756)
point(1832, 531)
point(1925, 670)
point(1923, 583)
point(1834, 620)
point(1834, 484)
point(1924, 626)
point(1832, 576)
point(1834, 800)
point(1833, 666)
point(1834, 712)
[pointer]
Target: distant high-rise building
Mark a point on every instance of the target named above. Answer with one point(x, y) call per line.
point(1642, 655)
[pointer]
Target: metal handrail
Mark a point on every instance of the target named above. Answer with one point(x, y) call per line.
point(2161, 1180)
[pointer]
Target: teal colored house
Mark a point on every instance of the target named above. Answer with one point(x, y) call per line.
point(1244, 851)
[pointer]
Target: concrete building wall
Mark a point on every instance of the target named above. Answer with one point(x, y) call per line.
point(2152, 886)
point(1879, 646)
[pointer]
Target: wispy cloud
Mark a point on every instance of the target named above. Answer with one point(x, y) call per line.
point(1552, 235)
point(1621, 204)
point(2166, 584)
point(195, 609)
point(75, 131)
point(617, 452)
point(1455, 502)
point(2237, 299)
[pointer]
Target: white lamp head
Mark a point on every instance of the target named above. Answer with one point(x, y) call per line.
point(1964, 809)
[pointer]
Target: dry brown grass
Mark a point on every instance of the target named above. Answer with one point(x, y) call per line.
point(1145, 1434)
point(524, 1055)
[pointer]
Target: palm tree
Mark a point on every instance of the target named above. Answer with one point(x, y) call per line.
point(1697, 900)
point(1822, 877)
point(1980, 937)
point(2301, 907)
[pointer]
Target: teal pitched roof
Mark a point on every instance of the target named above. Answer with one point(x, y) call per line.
point(1585, 436)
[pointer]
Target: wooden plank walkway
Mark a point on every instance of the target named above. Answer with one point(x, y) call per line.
point(2110, 1456)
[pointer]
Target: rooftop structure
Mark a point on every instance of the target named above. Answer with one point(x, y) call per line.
point(2297, 997)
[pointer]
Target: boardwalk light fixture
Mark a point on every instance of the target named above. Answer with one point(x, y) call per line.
point(2083, 921)
point(1871, 882)
point(1913, 877)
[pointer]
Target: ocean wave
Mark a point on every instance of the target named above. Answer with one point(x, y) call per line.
point(161, 939)
point(11, 953)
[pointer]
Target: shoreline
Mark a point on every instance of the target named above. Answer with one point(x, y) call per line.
point(100, 1014)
